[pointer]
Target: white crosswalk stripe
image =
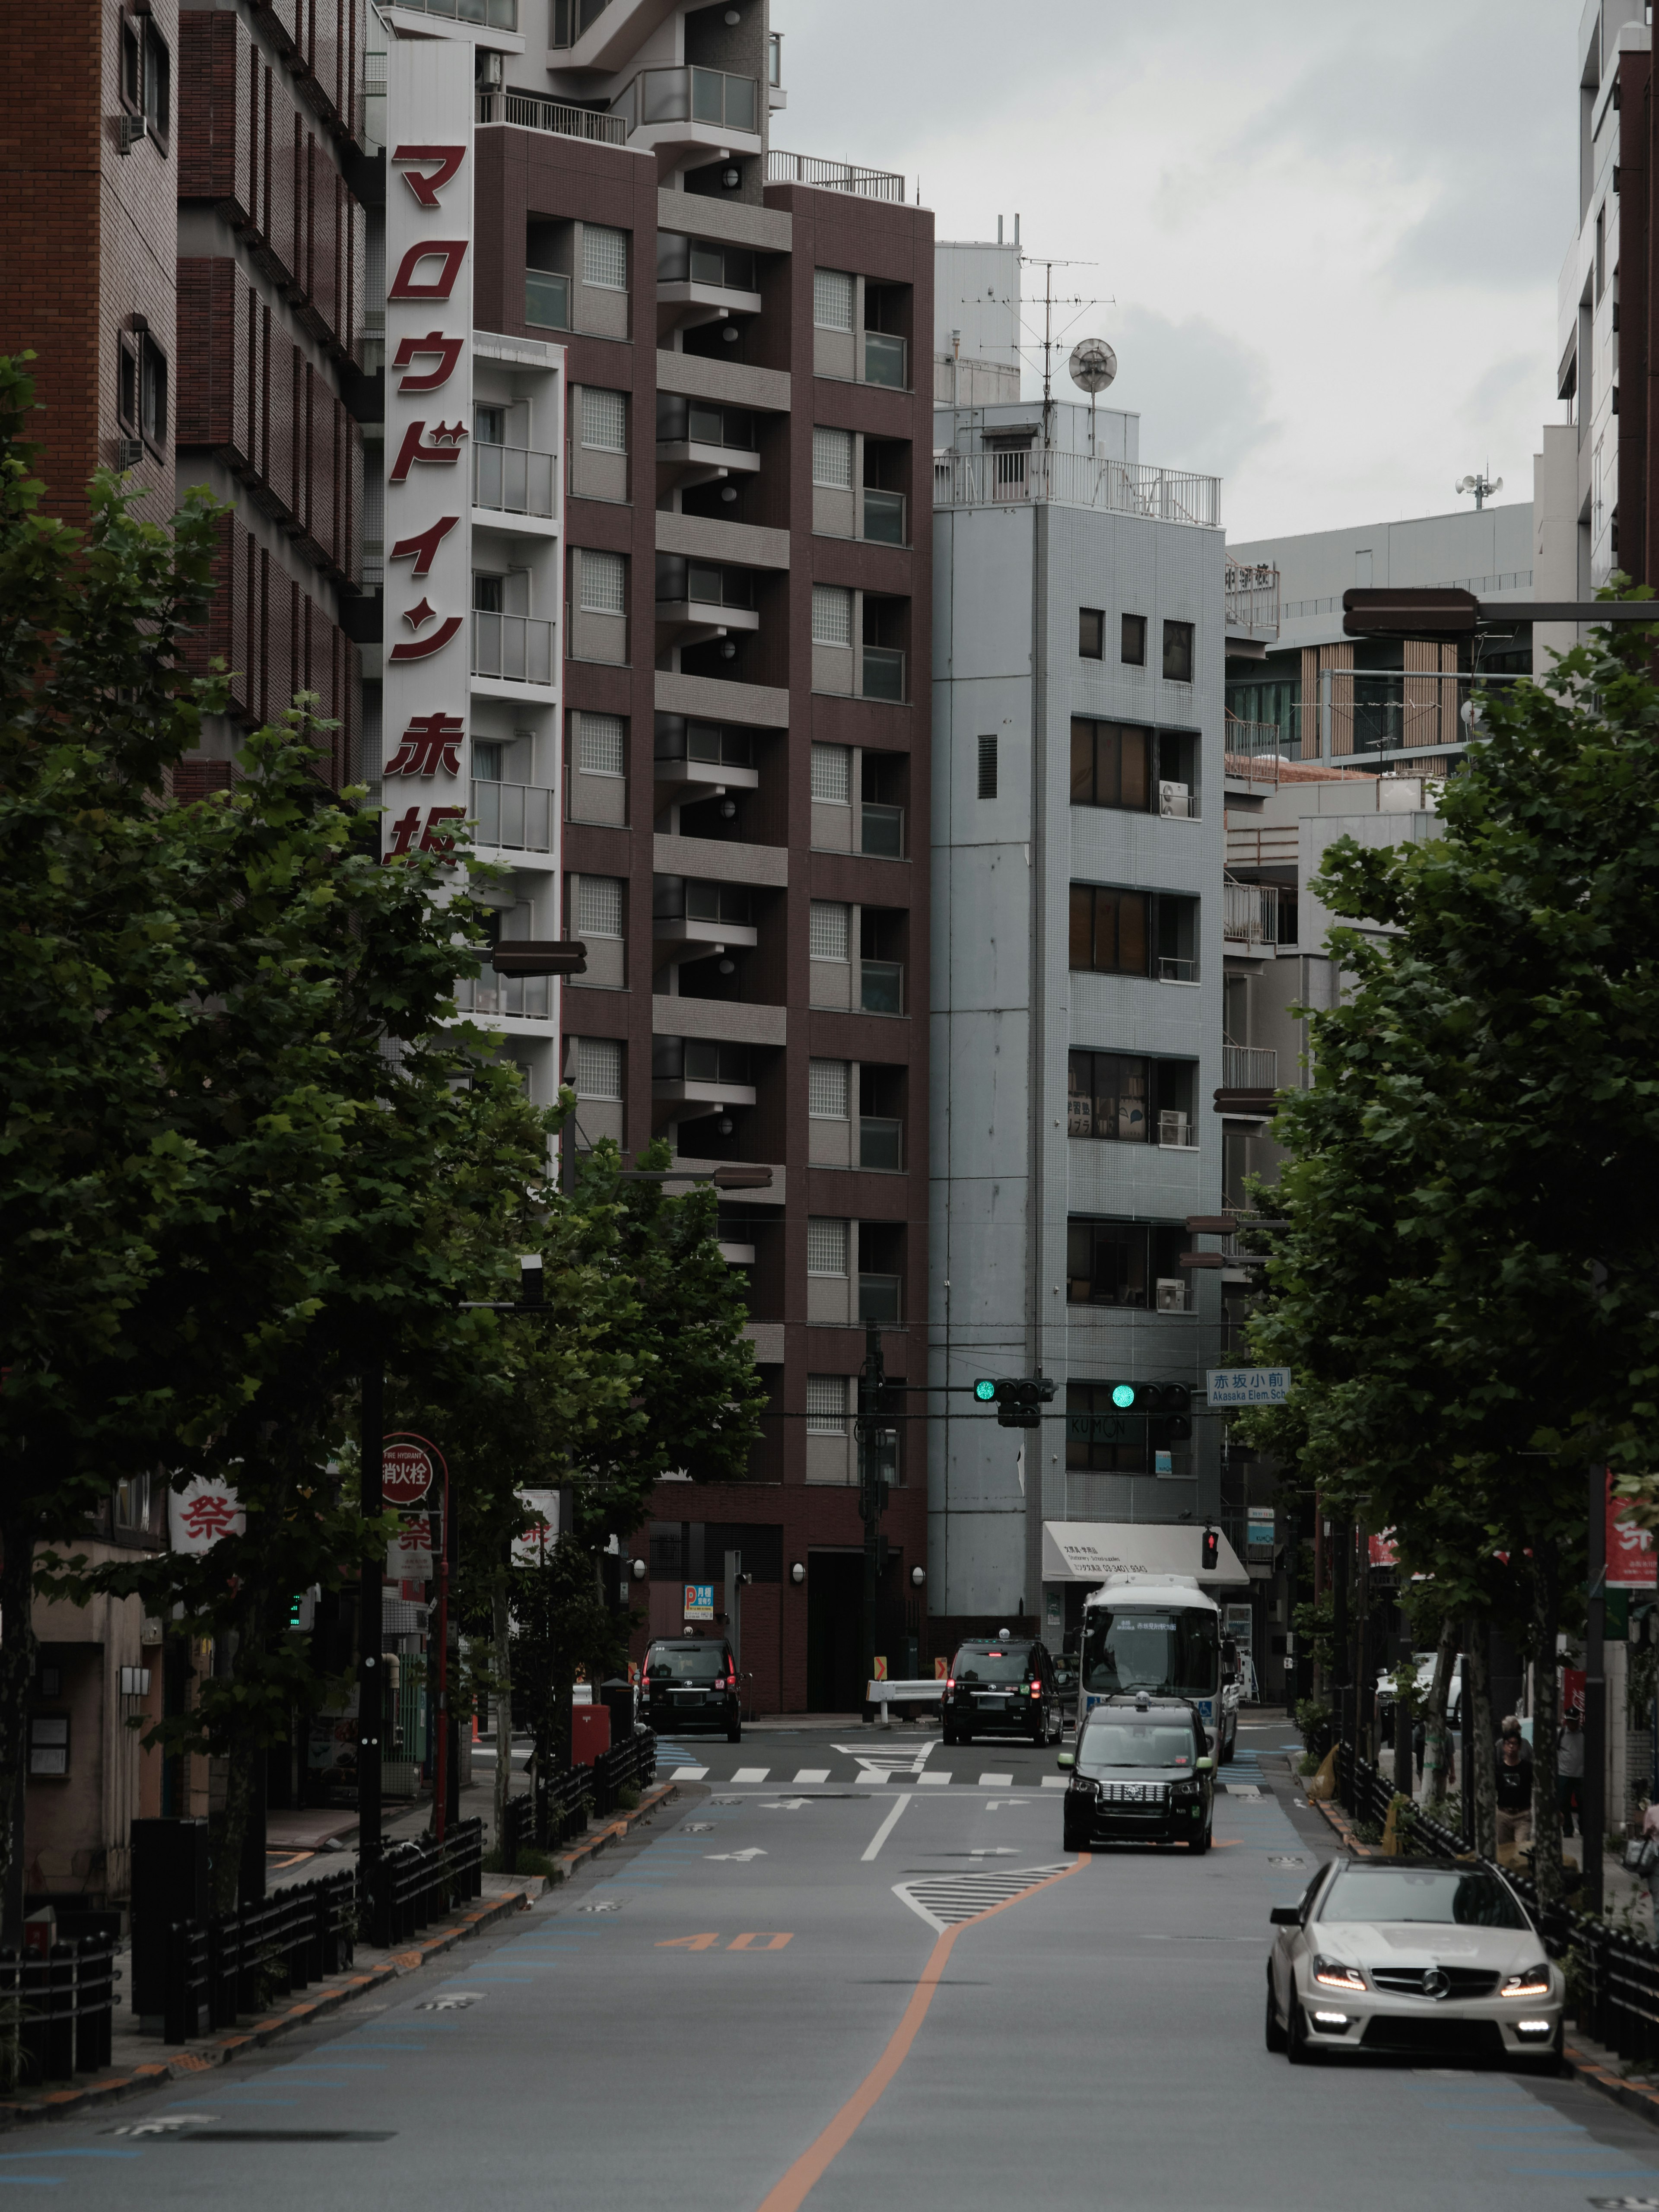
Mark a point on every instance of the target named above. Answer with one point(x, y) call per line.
point(688, 1774)
point(751, 1774)
point(813, 1774)
point(933, 1775)
point(943, 1900)
point(1054, 1781)
point(996, 1781)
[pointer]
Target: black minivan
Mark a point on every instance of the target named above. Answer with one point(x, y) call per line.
point(999, 1686)
point(691, 1681)
point(1142, 1773)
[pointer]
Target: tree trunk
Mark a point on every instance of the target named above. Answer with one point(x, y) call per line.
point(1485, 1757)
point(1435, 1763)
point(1546, 1734)
point(500, 1702)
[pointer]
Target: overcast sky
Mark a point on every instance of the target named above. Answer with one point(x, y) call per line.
point(1331, 235)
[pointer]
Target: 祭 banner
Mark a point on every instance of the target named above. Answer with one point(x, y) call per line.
point(1630, 1556)
point(206, 1508)
point(429, 459)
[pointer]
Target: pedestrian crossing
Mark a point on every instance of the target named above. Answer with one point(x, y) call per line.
point(679, 1764)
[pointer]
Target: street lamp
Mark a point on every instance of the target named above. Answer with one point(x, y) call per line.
point(797, 1572)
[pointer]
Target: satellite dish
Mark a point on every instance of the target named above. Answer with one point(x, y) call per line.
point(1092, 365)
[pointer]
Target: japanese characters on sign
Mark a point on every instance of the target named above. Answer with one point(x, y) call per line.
point(408, 1465)
point(429, 423)
point(198, 1514)
point(1631, 1557)
point(410, 1554)
point(540, 1532)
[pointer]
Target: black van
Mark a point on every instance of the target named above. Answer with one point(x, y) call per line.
point(1141, 1773)
point(691, 1681)
point(999, 1686)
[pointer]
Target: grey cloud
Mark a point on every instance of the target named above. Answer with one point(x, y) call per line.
point(1201, 394)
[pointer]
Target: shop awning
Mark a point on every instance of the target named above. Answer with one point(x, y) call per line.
point(1095, 1551)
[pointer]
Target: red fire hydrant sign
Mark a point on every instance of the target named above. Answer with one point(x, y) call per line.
point(406, 1471)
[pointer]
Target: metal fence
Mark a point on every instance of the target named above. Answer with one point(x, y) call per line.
point(65, 2000)
point(242, 1962)
point(1007, 479)
point(783, 168)
point(531, 113)
point(418, 1881)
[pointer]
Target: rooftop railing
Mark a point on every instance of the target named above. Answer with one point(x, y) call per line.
point(495, 15)
point(833, 176)
point(1010, 479)
point(531, 112)
point(1251, 590)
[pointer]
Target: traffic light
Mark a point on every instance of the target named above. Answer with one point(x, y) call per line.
point(1211, 1550)
point(1016, 1398)
point(1166, 1408)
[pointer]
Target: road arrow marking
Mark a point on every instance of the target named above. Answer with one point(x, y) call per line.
point(785, 1804)
point(753, 1852)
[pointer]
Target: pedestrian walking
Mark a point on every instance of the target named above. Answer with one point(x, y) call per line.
point(1569, 1771)
point(1514, 1796)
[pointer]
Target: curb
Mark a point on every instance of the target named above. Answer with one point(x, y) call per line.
point(73, 2104)
point(1339, 1820)
point(1635, 2096)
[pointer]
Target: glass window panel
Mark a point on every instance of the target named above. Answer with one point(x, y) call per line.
point(1134, 650)
point(1134, 767)
point(598, 1068)
point(826, 1405)
point(605, 419)
point(604, 257)
point(826, 1247)
point(601, 743)
point(1083, 764)
point(832, 774)
point(828, 1091)
point(832, 614)
point(832, 299)
point(831, 930)
point(1082, 925)
point(604, 583)
point(599, 906)
point(1131, 934)
point(1131, 1080)
point(1079, 1098)
point(832, 458)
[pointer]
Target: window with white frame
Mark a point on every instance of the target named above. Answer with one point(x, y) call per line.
point(832, 774)
point(829, 1089)
point(827, 1244)
point(601, 742)
point(604, 583)
point(832, 458)
point(605, 419)
point(599, 906)
point(598, 1068)
point(826, 1405)
point(832, 299)
point(132, 1502)
point(832, 614)
point(604, 257)
point(830, 930)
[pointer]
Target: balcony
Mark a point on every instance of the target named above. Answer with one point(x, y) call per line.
point(493, 15)
point(884, 514)
point(1250, 921)
point(884, 359)
point(527, 998)
point(878, 1301)
point(697, 600)
point(529, 112)
point(881, 987)
point(546, 299)
point(1248, 1067)
point(883, 674)
point(691, 111)
point(1174, 1131)
point(514, 817)
point(833, 176)
point(513, 648)
point(881, 1144)
point(882, 831)
point(1251, 592)
point(999, 479)
point(513, 480)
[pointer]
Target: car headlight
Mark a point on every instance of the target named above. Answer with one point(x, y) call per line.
point(1331, 1974)
point(1190, 1788)
point(1530, 1982)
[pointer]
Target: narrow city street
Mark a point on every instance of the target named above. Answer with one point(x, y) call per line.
point(841, 1965)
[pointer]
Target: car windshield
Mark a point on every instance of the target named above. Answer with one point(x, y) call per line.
point(685, 1662)
point(1439, 1897)
point(1127, 1743)
point(990, 1662)
point(1170, 1650)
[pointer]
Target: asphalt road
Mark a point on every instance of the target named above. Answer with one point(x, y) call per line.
point(793, 1991)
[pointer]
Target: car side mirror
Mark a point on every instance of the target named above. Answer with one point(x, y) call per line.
point(1067, 1758)
point(1285, 1916)
point(1206, 1767)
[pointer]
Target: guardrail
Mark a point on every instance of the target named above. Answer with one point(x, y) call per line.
point(418, 1881)
point(888, 1694)
point(65, 2002)
point(239, 1962)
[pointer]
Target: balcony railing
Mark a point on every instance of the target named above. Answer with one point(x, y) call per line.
point(1251, 590)
point(1174, 968)
point(880, 1144)
point(531, 113)
point(493, 15)
point(1000, 479)
point(884, 673)
point(513, 479)
point(517, 648)
point(881, 987)
point(882, 831)
point(832, 176)
point(546, 299)
point(1250, 914)
point(527, 996)
point(1248, 1067)
point(711, 97)
point(884, 360)
point(515, 817)
point(884, 518)
point(878, 1300)
point(1175, 1131)
point(1257, 750)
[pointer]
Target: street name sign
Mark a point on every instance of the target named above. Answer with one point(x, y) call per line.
point(1249, 1386)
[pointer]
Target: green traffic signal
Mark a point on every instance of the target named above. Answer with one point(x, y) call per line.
point(985, 1389)
point(1123, 1394)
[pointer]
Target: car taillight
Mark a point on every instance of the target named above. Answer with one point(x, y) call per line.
point(1036, 1689)
point(950, 1681)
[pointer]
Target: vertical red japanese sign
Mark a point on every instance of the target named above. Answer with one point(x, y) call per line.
point(428, 441)
point(1630, 1556)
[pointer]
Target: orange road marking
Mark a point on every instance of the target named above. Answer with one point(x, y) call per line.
point(689, 1943)
point(743, 1942)
point(790, 2193)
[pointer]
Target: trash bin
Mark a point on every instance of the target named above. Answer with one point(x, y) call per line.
point(621, 1700)
point(170, 1876)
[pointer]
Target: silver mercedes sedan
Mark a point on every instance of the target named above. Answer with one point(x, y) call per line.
point(1425, 1958)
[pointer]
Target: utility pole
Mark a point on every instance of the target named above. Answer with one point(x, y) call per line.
point(872, 1435)
point(1593, 1825)
point(371, 1636)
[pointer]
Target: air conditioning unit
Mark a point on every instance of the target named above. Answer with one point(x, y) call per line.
point(129, 131)
point(490, 71)
point(1172, 1294)
point(1174, 1129)
point(128, 452)
point(1175, 798)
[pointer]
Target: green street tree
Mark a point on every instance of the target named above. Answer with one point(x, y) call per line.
point(1466, 1288)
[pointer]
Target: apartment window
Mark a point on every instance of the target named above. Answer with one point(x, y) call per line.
point(604, 257)
point(1110, 934)
point(832, 774)
point(599, 906)
point(1177, 653)
point(830, 930)
point(126, 385)
point(832, 458)
point(1112, 765)
point(1101, 1438)
point(1132, 649)
point(827, 1246)
point(1120, 1263)
point(1107, 1097)
point(158, 83)
point(604, 421)
point(832, 299)
point(132, 1502)
point(598, 1068)
point(487, 761)
point(600, 744)
point(489, 426)
point(832, 615)
point(826, 1405)
point(829, 1091)
point(1092, 633)
point(988, 768)
point(604, 583)
point(152, 391)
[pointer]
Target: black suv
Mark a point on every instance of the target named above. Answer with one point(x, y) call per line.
point(997, 1686)
point(691, 1681)
point(1141, 1773)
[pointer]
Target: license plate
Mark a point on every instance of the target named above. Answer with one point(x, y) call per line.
point(994, 1704)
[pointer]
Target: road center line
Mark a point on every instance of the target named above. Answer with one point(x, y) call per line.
point(792, 2192)
point(888, 1825)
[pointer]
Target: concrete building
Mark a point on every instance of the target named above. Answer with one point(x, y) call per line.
point(1077, 973)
